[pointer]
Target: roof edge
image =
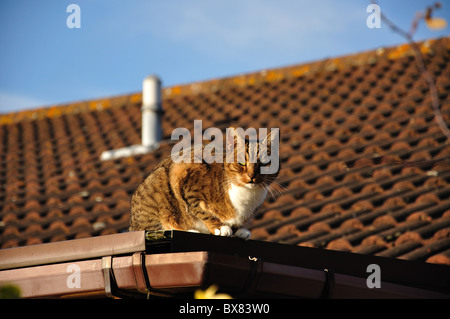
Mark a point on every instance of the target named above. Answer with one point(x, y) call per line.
point(67, 250)
point(174, 263)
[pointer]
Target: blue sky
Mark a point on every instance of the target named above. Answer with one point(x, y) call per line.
point(43, 62)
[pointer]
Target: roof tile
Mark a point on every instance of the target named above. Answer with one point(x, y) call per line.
point(340, 244)
point(441, 258)
point(385, 220)
point(364, 166)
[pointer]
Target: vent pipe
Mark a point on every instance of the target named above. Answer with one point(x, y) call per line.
point(151, 111)
point(151, 133)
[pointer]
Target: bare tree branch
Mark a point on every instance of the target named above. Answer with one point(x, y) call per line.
point(422, 68)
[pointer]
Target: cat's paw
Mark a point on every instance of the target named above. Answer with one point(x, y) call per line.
point(223, 231)
point(243, 233)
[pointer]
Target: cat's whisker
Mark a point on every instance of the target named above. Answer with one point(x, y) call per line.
point(274, 192)
point(277, 191)
point(279, 184)
point(271, 191)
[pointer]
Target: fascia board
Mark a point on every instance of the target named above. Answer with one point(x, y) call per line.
point(76, 277)
point(77, 249)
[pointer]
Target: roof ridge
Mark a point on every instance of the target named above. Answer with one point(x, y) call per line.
point(297, 70)
point(246, 79)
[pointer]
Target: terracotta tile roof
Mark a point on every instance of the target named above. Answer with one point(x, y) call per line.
point(364, 166)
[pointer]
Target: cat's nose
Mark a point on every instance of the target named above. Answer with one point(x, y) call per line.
point(251, 175)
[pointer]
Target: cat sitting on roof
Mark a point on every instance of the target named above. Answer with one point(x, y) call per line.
point(216, 197)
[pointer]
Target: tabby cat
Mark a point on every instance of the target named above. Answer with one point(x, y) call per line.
point(216, 198)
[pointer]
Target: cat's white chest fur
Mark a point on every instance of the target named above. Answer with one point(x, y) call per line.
point(245, 200)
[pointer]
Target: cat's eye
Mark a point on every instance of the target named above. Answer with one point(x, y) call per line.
point(242, 163)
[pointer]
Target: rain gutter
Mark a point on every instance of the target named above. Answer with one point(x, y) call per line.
point(175, 264)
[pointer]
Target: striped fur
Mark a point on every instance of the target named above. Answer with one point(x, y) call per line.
point(196, 196)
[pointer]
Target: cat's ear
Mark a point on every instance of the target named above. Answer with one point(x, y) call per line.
point(272, 137)
point(233, 138)
point(269, 153)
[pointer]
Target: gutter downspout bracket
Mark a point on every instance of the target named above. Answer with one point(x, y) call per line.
point(139, 272)
point(111, 288)
point(252, 281)
point(328, 286)
point(107, 275)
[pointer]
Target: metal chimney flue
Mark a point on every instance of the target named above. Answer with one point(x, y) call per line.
point(151, 132)
point(151, 111)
